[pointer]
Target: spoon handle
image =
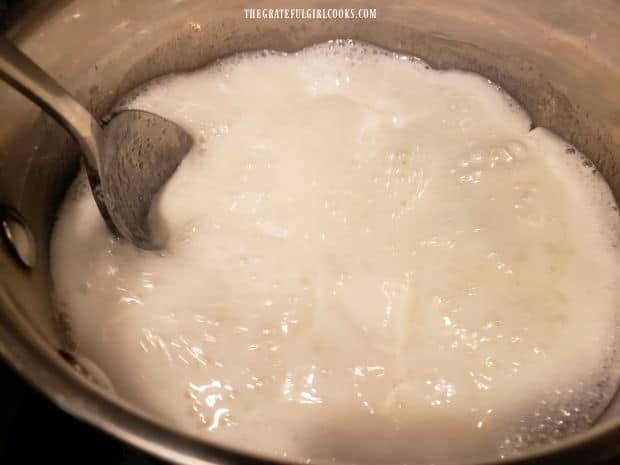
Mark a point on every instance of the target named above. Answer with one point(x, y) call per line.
point(29, 79)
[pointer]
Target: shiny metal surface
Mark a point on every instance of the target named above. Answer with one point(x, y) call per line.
point(127, 162)
point(17, 237)
point(560, 59)
point(24, 75)
point(140, 151)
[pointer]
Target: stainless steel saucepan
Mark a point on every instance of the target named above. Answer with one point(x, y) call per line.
point(560, 59)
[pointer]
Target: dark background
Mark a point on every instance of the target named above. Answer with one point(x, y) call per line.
point(11, 8)
point(33, 431)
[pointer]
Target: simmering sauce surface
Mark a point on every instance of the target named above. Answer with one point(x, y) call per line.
point(369, 261)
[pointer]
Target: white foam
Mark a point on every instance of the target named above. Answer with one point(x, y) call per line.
point(371, 261)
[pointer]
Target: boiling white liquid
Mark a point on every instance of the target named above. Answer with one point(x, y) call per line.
point(370, 261)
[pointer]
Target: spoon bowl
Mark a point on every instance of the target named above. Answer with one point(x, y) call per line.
point(127, 162)
point(140, 152)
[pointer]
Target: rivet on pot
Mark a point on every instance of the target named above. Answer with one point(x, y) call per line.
point(17, 237)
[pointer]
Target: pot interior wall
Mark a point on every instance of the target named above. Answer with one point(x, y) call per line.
point(560, 60)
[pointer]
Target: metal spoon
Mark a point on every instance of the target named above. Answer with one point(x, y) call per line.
point(127, 162)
